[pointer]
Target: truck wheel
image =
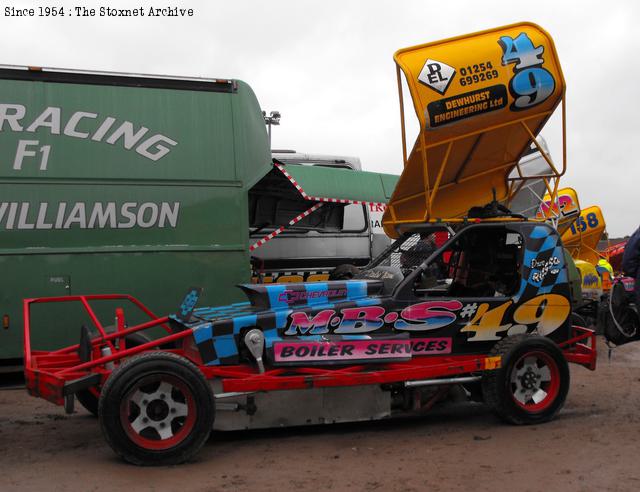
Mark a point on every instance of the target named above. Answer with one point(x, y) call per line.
point(88, 398)
point(156, 409)
point(344, 272)
point(533, 382)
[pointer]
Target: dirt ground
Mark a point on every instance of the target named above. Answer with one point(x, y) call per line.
point(592, 445)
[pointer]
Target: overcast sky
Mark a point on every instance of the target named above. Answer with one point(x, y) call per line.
point(328, 67)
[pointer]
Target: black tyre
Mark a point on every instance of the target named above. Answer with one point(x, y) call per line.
point(89, 398)
point(344, 272)
point(579, 320)
point(533, 382)
point(622, 324)
point(156, 409)
point(624, 328)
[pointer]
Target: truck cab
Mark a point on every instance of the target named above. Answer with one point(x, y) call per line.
point(310, 250)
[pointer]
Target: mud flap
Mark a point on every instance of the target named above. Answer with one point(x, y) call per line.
point(84, 347)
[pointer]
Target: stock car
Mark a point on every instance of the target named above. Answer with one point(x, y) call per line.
point(488, 313)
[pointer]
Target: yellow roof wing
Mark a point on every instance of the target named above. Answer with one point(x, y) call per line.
point(480, 100)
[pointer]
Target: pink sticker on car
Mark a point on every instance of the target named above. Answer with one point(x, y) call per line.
point(345, 350)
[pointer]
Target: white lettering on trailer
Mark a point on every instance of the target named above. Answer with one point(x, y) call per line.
point(22, 220)
point(3, 210)
point(104, 128)
point(76, 216)
point(161, 150)
point(130, 138)
point(49, 118)
point(153, 208)
point(22, 152)
point(61, 208)
point(102, 214)
point(129, 215)
point(80, 215)
point(168, 214)
point(71, 127)
point(40, 222)
point(12, 215)
point(79, 125)
point(18, 113)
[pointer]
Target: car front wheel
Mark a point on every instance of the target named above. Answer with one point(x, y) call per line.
point(156, 409)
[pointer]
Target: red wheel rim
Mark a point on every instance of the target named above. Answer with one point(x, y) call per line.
point(535, 381)
point(158, 412)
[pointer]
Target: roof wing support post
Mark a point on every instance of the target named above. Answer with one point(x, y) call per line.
point(402, 127)
point(436, 186)
point(552, 189)
point(425, 175)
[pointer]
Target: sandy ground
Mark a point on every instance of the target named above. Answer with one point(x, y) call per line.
point(593, 444)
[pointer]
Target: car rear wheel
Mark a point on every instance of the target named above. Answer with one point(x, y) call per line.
point(532, 384)
point(156, 409)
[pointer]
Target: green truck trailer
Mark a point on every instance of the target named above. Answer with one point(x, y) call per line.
point(146, 185)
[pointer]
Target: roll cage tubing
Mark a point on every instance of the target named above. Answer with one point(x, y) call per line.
point(403, 289)
point(103, 337)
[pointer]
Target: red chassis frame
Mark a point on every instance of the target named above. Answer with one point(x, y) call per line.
point(53, 375)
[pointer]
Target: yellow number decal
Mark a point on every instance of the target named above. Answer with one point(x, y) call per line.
point(548, 312)
point(486, 323)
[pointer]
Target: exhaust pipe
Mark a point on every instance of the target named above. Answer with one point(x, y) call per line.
point(437, 382)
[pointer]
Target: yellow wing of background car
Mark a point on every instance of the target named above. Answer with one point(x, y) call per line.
point(581, 232)
point(582, 236)
point(563, 210)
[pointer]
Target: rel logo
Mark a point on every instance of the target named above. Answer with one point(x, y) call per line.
point(437, 75)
